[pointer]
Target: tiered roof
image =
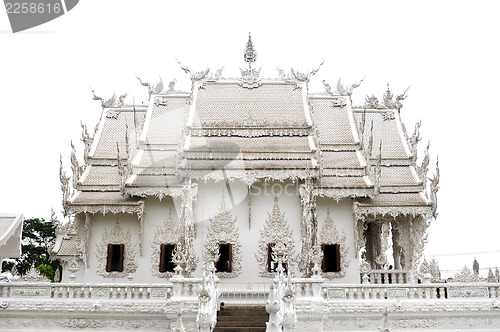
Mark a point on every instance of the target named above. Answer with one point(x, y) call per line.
point(250, 129)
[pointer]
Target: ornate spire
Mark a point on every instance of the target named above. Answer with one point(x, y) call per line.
point(250, 54)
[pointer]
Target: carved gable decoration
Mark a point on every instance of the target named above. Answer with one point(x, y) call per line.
point(223, 230)
point(33, 275)
point(116, 236)
point(275, 231)
point(168, 234)
point(330, 235)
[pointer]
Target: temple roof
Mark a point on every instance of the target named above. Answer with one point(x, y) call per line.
point(11, 226)
point(249, 129)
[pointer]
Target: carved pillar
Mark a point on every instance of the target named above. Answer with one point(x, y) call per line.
point(309, 227)
point(187, 231)
point(382, 245)
point(396, 246)
point(141, 217)
point(373, 243)
point(360, 228)
point(403, 226)
point(87, 238)
point(418, 238)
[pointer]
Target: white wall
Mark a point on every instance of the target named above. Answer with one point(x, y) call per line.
point(342, 214)
point(207, 205)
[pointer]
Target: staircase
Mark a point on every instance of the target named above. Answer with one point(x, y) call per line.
point(241, 319)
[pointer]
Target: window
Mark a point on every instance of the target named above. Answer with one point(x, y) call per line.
point(225, 258)
point(114, 261)
point(166, 254)
point(272, 265)
point(331, 258)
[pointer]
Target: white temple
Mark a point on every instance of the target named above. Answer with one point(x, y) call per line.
point(214, 194)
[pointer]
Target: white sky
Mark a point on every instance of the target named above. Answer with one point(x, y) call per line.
point(447, 51)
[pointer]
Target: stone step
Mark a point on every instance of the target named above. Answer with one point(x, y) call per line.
point(241, 319)
point(239, 329)
point(241, 323)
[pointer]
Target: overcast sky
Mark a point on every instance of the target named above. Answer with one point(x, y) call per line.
point(447, 52)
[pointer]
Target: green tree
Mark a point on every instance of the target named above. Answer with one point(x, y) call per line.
point(37, 237)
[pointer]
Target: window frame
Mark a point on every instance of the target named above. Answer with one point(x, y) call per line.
point(113, 263)
point(337, 264)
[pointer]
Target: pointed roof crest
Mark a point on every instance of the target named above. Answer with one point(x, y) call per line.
point(250, 54)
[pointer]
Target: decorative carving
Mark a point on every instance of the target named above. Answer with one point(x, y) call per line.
point(388, 116)
point(414, 140)
point(434, 187)
point(347, 90)
point(76, 169)
point(301, 77)
point(424, 167)
point(372, 102)
point(168, 234)
point(83, 323)
point(104, 209)
point(73, 265)
point(250, 54)
point(308, 228)
point(64, 187)
point(186, 229)
point(389, 103)
point(33, 275)
point(328, 89)
point(116, 236)
point(121, 99)
point(359, 235)
point(339, 102)
point(105, 104)
point(152, 89)
point(222, 230)
point(466, 275)
point(276, 231)
point(330, 235)
point(87, 141)
point(250, 78)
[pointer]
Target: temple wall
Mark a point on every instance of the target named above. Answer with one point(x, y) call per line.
point(262, 203)
point(249, 226)
point(343, 218)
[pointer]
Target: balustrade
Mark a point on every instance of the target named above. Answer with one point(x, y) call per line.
point(85, 291)
point(250, 293)
point(388, 276)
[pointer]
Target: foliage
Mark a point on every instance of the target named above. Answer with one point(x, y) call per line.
point(37, 237)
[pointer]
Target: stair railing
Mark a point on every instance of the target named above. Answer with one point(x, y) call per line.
point(281, 302)
point(207, 301)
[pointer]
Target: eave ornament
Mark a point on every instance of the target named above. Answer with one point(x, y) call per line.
point(276, 231)
point(330, 235)
point(116, 236)
point(223, 230)
point(346, 90)
point(152, 88)
point(168, 234)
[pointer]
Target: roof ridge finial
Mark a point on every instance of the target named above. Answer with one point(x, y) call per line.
point(250, 54)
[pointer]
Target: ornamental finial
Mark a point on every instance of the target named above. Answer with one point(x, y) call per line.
point(250, 54)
